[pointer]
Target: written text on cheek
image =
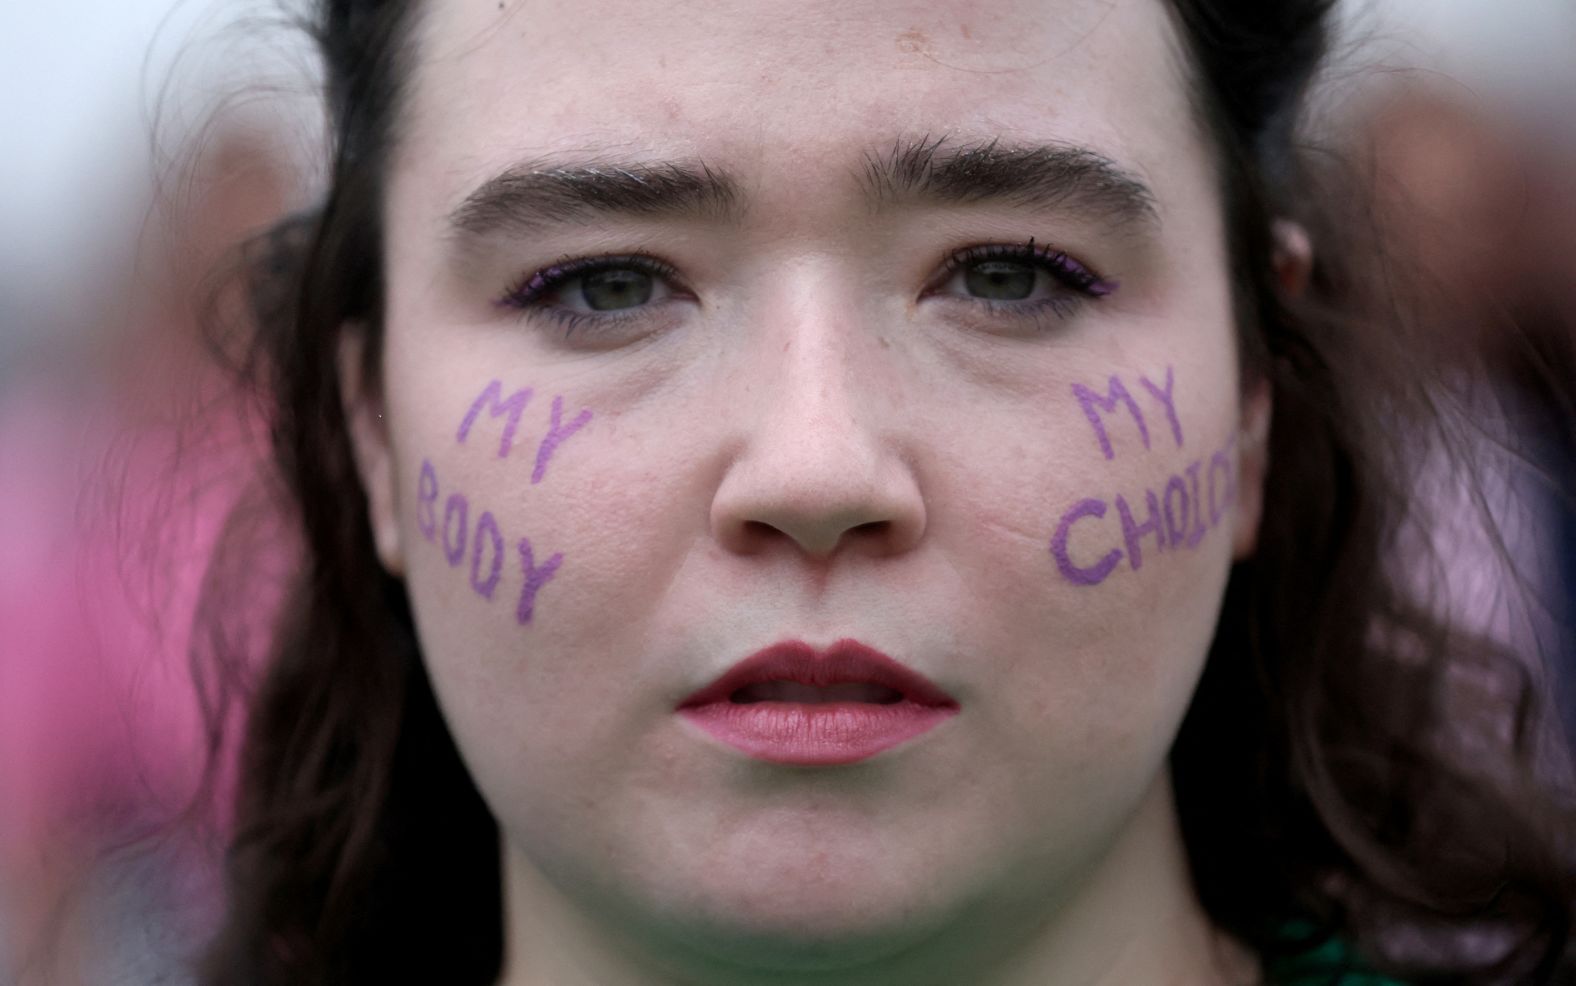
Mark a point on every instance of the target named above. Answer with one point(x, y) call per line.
point(1178, 512)
point(465, 533)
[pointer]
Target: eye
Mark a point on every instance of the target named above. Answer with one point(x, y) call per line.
point(609, 289)
point(1018, 280)
point(1001, 280)
point(583, 290)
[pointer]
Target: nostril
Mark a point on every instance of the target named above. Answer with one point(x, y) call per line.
point(818, 535)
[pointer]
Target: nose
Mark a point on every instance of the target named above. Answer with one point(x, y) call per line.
point(819, 467)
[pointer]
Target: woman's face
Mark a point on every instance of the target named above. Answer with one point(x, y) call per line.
point(712, 326)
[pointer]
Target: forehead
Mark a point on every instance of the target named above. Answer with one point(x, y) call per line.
point(784, 85)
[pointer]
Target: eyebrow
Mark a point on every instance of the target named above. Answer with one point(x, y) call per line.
point(1037, 175)
point(530, 195)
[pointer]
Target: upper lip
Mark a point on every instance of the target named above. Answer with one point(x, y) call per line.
point(847, 661)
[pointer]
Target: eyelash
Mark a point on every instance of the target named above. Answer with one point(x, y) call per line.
point(1081, 281)
point(528, 293)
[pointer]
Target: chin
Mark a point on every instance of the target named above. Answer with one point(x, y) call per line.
point(806, 926)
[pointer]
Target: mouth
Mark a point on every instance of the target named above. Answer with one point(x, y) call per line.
point(794, 691)
point(788, 704)
point(794, 672)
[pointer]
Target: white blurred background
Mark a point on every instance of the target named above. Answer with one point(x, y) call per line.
point(98, 100)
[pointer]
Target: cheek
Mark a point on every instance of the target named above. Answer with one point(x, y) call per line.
point(543, 536)
point(486, 560)
point(1099, 553)
point(494, 532)
point(544, 663)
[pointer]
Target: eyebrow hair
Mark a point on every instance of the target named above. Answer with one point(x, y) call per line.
point(1031, 175)
point(529, 195)
point(532, 194)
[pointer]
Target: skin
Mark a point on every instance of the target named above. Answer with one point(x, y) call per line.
point(804, 443)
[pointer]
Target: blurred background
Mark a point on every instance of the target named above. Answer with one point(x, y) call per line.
point(145, 141)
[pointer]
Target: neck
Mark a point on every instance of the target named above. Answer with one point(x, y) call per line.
point(1132, 919)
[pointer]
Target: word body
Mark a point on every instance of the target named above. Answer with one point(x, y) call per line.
point(483, 543)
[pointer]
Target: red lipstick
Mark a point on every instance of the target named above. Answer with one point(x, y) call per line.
point(789, 704)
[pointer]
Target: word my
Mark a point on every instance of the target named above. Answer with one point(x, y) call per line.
point(1116, 394)
point(513, 406)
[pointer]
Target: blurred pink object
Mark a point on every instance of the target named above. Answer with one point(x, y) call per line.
point(97, 705)
point(121, 470)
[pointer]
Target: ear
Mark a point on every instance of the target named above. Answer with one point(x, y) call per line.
point(369, 441)
point(1293, 264)
point(1293, 259)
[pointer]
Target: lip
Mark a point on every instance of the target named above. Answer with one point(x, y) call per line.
point(823, 733)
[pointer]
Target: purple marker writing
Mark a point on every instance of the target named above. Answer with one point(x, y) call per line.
point(484, 542)
point(1165, 398)
point(1092, 404)
point(454, 531)
point(486, 526)
point(426, 501)
point(1133, 533)
point(1078, 575)
point(1175, 515)
point(490, 398)
point(1197, 533)
point(556, 433)
point(535, 578)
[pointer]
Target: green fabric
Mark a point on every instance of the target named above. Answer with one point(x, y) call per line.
point(1331, 964)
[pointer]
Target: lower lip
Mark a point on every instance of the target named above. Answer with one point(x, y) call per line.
point(815, 734)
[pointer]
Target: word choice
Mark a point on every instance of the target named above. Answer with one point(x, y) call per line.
point(510, 408)
point(483, 543)
point(1191, 504)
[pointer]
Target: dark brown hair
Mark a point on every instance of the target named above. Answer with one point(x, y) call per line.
point(1317, 774)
